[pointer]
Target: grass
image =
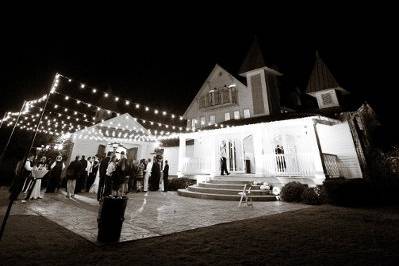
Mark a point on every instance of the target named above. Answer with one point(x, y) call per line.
point(322, 235)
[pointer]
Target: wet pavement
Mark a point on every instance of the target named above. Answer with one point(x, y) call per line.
point(147, 214)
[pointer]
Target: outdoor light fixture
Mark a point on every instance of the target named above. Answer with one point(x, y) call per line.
point(82, 86)
point(94, 90)
point(116, 99)
point(105, 95)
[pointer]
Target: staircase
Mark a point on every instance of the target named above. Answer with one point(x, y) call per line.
point(225, 189)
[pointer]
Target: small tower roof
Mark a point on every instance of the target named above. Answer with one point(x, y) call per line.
point(254, 59)
point(321, 77)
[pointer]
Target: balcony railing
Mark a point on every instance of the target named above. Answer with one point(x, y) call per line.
point(331, 164)
point(219, 97)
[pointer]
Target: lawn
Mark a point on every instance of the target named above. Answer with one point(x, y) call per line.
point(323, 235)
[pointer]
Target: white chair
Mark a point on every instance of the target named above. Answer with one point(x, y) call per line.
point(246, 196)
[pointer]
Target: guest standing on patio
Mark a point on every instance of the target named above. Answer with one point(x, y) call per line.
point(38, 172)
point(103, 172)
point(155, 175)
point(55, 175)
point(82, 180)
point(147, 174)
point(133, 176)
point(72, 173)
point(121, 178)
point(109, 176)
point(165, 176)
point(27, 173)
point(140, 176)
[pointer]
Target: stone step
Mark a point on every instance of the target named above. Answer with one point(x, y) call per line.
point(187, 193)
point(223, 181)
point(225, 191)
point(227, 186)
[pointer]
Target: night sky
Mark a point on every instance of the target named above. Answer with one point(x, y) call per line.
point(162, 58)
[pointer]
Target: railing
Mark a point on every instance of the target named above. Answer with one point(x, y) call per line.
point(197, 166)
point(290, 164)
point(219, 97)
point(331, 164)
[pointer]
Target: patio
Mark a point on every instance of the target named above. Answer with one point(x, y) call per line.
point(147, 215)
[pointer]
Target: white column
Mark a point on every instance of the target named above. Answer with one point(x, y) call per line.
point(182, 156)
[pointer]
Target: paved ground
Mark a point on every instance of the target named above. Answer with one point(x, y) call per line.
point(147, 215)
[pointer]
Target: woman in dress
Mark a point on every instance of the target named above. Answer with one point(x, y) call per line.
point(140, 176)
point(38, 172)
point(55, 175)
point(96, 176)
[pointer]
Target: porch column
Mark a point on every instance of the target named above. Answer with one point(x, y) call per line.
point(320, 172)
point(182, 156)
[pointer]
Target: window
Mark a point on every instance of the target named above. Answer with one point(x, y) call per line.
point(236, 114)
point(212, 119)
point(247, 114)
point(193, 123)
point(226, 116)
point(326, 98)
point(203, 120)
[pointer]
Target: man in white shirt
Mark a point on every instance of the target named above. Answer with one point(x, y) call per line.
point(147, 174)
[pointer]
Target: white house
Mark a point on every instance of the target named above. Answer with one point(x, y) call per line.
point(260, 139)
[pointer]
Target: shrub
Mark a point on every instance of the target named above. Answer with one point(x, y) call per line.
point(311, 196)
point(292, 192)
point(180, 183)
point(350, 192)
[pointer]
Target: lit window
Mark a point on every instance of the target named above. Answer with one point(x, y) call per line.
point(226, 116)
point(212, 119)
point(203, 120)
point(247, 114)
point(236, 114)
point(326, 98)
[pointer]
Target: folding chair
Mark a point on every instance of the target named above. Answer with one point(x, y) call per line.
point(246, 196)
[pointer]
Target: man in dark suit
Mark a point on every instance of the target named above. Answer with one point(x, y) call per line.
point(223, 168)
point(103, 170)
point(165, 176)
point(81, 182)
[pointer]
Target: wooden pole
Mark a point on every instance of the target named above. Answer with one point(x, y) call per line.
point(12, 199)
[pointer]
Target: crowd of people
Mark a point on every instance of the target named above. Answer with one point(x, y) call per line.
point(103, 175)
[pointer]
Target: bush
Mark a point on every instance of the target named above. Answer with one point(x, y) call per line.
point(311, 196)
point(180, 183)
point(350, 192)
point(292, 192)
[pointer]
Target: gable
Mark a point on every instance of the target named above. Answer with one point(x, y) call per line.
point(218, 77)
point(125, 121)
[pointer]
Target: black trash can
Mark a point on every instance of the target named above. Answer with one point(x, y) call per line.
point(110, 219)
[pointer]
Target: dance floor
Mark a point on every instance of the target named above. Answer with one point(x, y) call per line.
point(147, 214)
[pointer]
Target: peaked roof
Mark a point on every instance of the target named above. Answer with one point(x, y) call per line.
point(205, 85)
point(321, 77)
point(254, 59)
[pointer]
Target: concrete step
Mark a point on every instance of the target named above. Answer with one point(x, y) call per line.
point(225, 191)
point(187, 193)
point(227, 186)
point(222, 181)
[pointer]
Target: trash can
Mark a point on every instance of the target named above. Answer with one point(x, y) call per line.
point(248, 166)
point(110, 218)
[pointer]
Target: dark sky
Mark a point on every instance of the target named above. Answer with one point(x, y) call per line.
point(161, 58)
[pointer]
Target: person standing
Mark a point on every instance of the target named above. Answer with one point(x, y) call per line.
point(55, 175)
point(147, 174)
point(155, 175)
point(121, 178)
point(223, 167)
point(165, 176)
point(109, 176)
point(72, 174)
point(81, 181)
point(133, 176)
point(140, 176)
point(38, 172)
point(95, 177)
point(89, 169)
point(27, 172)
point(103, 171)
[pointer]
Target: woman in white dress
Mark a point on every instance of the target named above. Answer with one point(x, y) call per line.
point(94, 187)
point(38, 172)
point(147, 174)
